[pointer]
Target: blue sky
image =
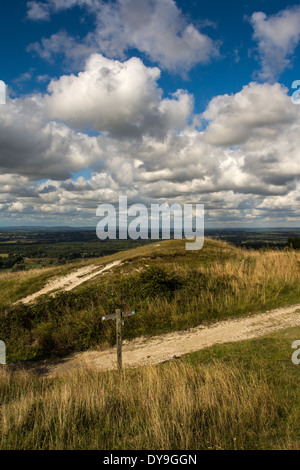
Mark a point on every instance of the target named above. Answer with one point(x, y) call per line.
point(159, 100)
point(234, 68)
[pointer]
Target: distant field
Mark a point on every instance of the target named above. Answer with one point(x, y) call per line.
point(38, 249)
point(235, 396)
point(28, 250)
point(169, 288)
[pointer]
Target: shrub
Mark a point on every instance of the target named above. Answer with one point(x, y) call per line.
point(151, 283)
point(294, 243)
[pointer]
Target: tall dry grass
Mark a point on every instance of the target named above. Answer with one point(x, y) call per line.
point(248, 282)
point(259, 274)
point(15, 285)
point(174, 406)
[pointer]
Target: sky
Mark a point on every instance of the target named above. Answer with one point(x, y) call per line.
point(161, 101)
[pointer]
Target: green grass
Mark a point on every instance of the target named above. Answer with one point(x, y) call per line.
point(243, 395)
point(14, 286)
point(169, 288)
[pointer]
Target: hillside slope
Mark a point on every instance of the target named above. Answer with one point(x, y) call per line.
point(241, 395)
point(157, 349)
point(170, 289)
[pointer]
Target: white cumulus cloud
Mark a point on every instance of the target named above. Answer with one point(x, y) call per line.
point(120, 98)
point(156, 28)
point(277, 37)
point(32, 145)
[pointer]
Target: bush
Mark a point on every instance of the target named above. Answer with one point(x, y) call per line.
point(18, 267)
point(151, 283)
point(294, 243)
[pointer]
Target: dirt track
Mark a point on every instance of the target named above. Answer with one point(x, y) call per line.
point(70, 281)
point(157, 349)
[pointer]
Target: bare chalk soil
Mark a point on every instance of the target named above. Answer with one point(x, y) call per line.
point(70, 281)
point(157, 349)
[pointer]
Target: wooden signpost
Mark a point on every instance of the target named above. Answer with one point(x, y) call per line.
point(118, 316)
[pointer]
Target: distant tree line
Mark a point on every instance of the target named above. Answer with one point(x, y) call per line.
point(15, 262)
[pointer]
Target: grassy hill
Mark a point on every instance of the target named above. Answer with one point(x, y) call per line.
point(242, 395)
point(168, 287)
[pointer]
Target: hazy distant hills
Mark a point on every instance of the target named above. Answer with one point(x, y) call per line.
point(64, 228)
point(41, 228)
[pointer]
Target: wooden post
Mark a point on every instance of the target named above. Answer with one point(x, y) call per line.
point(119, 338)
point(118, 316)
point(2, 353)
